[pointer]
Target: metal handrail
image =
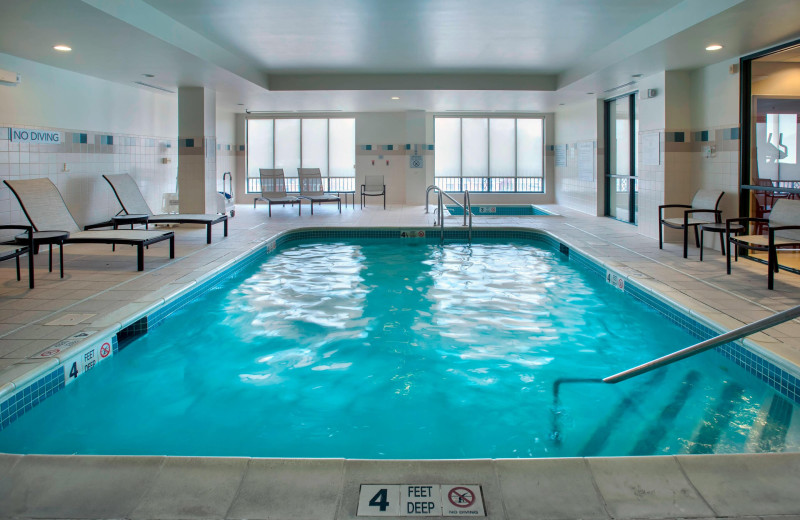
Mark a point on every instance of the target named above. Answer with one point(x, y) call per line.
point(746, 330)
point(468, 210)
point(438, 189)
point(440, 208)
point(752, 328)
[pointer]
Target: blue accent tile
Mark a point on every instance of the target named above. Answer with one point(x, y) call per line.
point(189, 143)
point(84, 138)
point(408, 147)
point(430, 147)
point(241, 147)
point(368, 147)
point(679, 137)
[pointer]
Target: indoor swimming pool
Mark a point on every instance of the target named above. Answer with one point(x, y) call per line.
point(407, 349)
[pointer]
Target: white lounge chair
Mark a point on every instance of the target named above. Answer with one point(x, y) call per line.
point(133, 203)
point(312, 190)
point(46, 211)
point(273, 190)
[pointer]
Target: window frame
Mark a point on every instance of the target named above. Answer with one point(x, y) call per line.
point(273, 118)
point(486, 180)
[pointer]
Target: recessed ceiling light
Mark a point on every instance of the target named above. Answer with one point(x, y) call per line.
point(714, 47)
point(395, 98)
point(561, 104)
point(62, 48)
point(637, 75)
point(149, 75)
point(590, 93)
point(240, 104)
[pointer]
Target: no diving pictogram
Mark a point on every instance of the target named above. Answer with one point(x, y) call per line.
point(461, 497)
point(105, 350)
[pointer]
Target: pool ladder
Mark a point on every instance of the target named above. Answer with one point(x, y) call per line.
point(752, 328)
point(466, 207)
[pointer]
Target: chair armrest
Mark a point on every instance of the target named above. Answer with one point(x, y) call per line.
point(783, 228)
point(21, 227)
point(739, 220)
point(664, 206)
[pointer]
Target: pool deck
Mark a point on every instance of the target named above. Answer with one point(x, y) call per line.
point(102, 289)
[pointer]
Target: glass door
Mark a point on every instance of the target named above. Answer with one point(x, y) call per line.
point(770, 120)
point(622, 129)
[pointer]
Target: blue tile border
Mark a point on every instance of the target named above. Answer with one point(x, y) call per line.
point(26, 398)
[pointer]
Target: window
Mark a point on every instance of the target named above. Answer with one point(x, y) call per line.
point(327, 144)
point(489, 154)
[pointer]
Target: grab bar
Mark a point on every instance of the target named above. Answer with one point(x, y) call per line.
point(438, 189)
point(468, 210)
point(746, 330)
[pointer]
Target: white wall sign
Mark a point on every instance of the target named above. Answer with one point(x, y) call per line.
point(420, 500)
point(561, 154)
point(586, 161)
point(22, 135)
point(651, 149)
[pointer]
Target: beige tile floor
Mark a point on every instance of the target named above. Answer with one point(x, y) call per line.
point(106, 289)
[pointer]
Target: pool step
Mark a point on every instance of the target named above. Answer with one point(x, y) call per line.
point(629, 405)
point(716, 420)
point(651, 439)
point(777, 420)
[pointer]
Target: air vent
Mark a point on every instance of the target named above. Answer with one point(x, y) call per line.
point(628, 84)
point(148, 85)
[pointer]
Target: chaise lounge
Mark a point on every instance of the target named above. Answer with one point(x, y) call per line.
point(133, 203)
point(46, 211)
point(311, 188)
point(273, 190)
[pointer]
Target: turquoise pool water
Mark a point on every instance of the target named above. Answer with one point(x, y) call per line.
point(406, 349)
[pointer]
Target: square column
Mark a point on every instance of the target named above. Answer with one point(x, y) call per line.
point(197, 149)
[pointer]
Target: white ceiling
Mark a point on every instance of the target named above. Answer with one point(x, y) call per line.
point(354, 55)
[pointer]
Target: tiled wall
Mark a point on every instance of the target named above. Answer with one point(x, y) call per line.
point(151, 161)
point(573, 192)
point(687, 165)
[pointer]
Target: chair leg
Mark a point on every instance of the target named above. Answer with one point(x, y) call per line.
point(208, 233)
point(728, 260)
point(722, 242)
point(140, 256)
point(18, 274)
point(770, 272)
point(686, 242)
point(696, 237)
point(226, 228)
point(660, 235)
point(269, 211)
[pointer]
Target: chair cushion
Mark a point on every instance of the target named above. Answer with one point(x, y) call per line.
point(678, 222)
point(763, 240)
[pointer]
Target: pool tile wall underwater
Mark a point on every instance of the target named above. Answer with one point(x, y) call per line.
point(780, 380)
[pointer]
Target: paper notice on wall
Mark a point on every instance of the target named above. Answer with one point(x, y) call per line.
point(561, 154)
point(651, 149)
point(586, 161)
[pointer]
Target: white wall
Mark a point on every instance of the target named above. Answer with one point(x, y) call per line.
point(143, 126)
point(576, 123)
point(55, 98)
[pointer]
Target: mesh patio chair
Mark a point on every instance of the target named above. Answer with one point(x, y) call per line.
point(133, 203)
point(783, 231)
point(373, 187)
point(13, 249)
point(273, 190)
point(46, 211)
point(311, 188)
point(703, 210)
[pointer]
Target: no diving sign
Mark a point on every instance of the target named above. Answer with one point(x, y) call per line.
point(420, 500)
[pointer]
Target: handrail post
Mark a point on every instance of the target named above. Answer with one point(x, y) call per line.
point(441, 217)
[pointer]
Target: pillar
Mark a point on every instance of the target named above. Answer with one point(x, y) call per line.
point(197, 148)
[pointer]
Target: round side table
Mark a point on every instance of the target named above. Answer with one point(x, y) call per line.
point(718, 227)
point(47, 237)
